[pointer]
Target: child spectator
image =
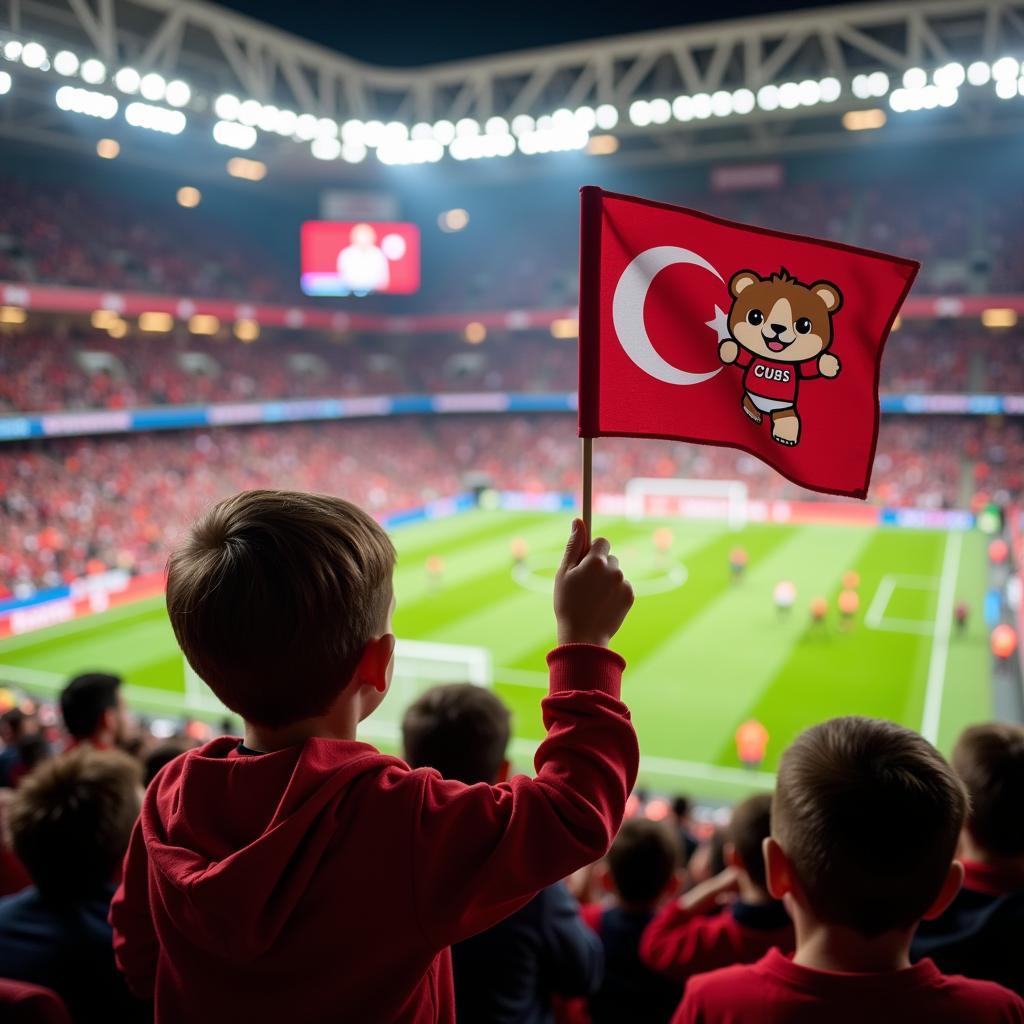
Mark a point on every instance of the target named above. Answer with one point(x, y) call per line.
point(70, 821)
point(865, 822)
point(511, 971)
point(92, 710)
point(642, 869)
point(694, 934)
point(980, 933)
point(300, 870)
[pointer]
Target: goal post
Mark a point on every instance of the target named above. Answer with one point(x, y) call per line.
point(678, 498)
point(418, 665)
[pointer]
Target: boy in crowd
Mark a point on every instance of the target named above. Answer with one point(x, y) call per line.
point(981, 932)
point(865, 823)
point(642, 869)
point(694, 934)
point(299, 870)
point(92, 710)
point(70, 821)
point(511, 971)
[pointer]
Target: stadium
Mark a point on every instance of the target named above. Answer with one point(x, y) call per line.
point(235, 255)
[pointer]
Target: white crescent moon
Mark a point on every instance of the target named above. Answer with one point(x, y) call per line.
point(628, 311)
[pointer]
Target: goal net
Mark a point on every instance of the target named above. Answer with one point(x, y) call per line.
point(674, 498)
point(418, 666)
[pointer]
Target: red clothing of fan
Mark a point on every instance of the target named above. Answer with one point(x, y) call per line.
point(777, 991)
point(326, 881)
point(681, 944)
point(699, 329)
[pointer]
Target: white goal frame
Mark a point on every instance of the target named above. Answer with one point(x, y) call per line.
point(416, 662)
point(706, 499)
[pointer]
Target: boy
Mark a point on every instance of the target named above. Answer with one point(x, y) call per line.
point(687, 937)
point(641, 871)
point(980, 932)
point(864, 827)
point(513, 971)
point(70, 821)
point(302, 875)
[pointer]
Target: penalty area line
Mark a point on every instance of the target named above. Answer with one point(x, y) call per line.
point(940, 640)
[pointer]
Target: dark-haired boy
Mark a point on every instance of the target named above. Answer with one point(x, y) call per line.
point(92, 710)
point(695, 934)
point(301, 874)
point(981, 933)
point(70, 821)
point(642, 869)
point(865, 823)
point(513, 971)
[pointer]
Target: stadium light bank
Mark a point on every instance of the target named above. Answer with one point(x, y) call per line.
point(159, 105)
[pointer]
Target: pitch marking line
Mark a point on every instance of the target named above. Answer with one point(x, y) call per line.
point(940, 641)
point(875, 617)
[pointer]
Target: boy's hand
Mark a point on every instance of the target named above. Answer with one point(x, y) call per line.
point(592, 596)
point(711, 894)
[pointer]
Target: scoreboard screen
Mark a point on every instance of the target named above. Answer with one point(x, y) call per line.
point(364, 257)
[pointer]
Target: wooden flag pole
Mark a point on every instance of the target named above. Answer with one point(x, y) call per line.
point(588, 481)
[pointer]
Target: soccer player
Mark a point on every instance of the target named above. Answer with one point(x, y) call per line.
point(520, 551)
point(663, 540)
point(435, 571)
point(784, 596)
point(751, 743)
point(848, 604)
point(961, 613)
point(737, 563)
point(819, 609)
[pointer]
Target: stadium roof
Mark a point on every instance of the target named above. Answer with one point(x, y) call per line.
point(142, 70)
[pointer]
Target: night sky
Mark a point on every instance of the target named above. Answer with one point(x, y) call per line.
point(393, 32)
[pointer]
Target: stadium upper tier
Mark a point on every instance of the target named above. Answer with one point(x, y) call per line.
point(519, 251)
point(72, 506)
point(40, 372)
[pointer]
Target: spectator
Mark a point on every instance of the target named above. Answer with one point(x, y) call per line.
point(980, 932)
point(695, 934)
point(682, 809)
point(162, 754)
point(708, 860)
point(93, 711)
point(300, 864)
point(865, 823)
point(511, 971)
point(13, 729)
point(70, 821)
point(642, 869)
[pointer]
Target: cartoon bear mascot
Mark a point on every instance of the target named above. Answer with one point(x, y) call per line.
point(780, 333)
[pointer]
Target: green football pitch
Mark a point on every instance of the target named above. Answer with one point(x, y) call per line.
point(705, 652)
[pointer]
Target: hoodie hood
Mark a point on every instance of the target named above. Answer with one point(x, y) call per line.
point(235, 839)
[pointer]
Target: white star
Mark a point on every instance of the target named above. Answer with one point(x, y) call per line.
point(720, 324)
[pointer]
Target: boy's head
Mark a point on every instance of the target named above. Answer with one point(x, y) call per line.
point(864, 826)
point(91, 707)
point(748, 828)
point(642, 861)
point(71, 818)
point(279, 599)
point(990, 761)
point(462, 730)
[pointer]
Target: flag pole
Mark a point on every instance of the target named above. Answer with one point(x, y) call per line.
point(588, 481)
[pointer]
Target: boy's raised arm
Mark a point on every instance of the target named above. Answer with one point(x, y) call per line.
point(482, 851)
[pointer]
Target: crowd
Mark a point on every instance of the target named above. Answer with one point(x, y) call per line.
point(966, 236)
point(294, 871)
point(72, 506)
point(41, 373)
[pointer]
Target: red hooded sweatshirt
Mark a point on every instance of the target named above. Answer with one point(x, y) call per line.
point(324, 882)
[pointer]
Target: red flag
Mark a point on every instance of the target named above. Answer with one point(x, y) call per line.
point(700, 329)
